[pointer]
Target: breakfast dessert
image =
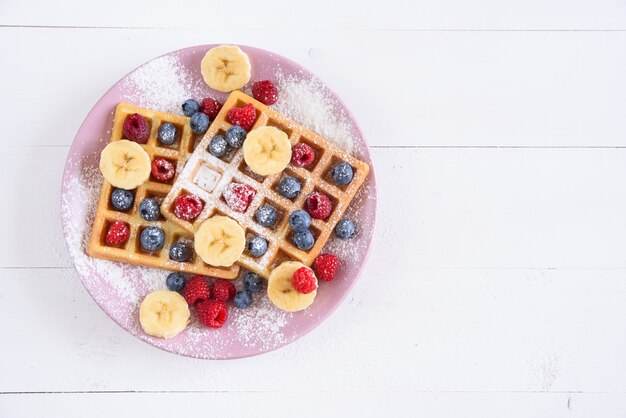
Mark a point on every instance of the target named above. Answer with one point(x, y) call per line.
point(285, 186)
point(139, 166)
point(248, 207)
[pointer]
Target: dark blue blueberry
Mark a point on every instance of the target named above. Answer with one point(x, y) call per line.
point(199, 123)
point(235, 136)
point(266, 215)
point(342, 174)
point(167, 134)
point(190, 107)
point(252, 282)
point(180, 251)
point(122, 199)
point(345, 229)
point(303, 240)
point(257, 246)
point(175, 281)
point(149, 209)
point(152, 238)
point(218, 146)
point(243, 299)
point(289, 187)
point(299, 220)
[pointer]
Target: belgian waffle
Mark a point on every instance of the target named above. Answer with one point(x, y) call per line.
point(232, 167)
point(132, 252)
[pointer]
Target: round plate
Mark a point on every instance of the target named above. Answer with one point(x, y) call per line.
point(163, 84)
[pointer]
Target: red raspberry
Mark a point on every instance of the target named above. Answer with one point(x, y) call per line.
point(238, 196)
point(211, 107)
point(326, 266)
point(196, 290)
point(265, 92)
point(118, 233)
point(319, 205)
point(223, 290)
point(188, 207)
point(302, 155)
point(162, 169)
point(136, 128)
point(212, 313)
point(303, 280)
point(242, 116)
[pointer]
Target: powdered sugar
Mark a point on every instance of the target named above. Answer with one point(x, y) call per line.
point(308, 102)
point(162, 84)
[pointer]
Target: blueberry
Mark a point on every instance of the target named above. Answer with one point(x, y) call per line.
point(243, 299)
point(345, 229)
point(257, 246)
point(149, 209)
point(342, 174)
point(299, 220)
point(218, 146)
point(289, 187)
point(122, 199)
point(175, 282)
point(199, 123)
point(167, 134)
point(190, 107)
point(235, 136)
point(180, 251)
point(303, 240)
point(152, 238)
point(266, 215)
point(252, 282)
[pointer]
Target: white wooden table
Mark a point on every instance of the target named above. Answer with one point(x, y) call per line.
point(496, 289)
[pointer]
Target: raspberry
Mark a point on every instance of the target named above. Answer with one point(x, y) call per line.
point(238, 196)
point(223, 290)
point(302, 155)
point(326, 266)
point(196, 290)
point(212, 313)
point(136, 128)
point(188, 207)
point(162, 169)
point(242, 116)
point(303, 280)
point(118, 233)
point(319, 205)
point(211, 107)
point(265, 92)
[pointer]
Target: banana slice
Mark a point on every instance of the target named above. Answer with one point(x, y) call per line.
point(125, 164)
point(267, 150)
point(281, 292)
point(164, 314)
point(225, 68)
point(220, 241)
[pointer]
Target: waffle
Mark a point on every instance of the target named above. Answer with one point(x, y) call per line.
point(131, 252)
point(232, 167)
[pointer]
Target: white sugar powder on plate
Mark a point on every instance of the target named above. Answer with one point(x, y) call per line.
point(308, 102)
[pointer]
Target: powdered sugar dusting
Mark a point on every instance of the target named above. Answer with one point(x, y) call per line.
point(162, 84)
point(308, 102)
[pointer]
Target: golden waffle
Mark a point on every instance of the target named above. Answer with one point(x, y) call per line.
point(232, 167)
point(131, 252)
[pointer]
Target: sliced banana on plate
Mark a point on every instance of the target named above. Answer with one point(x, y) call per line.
point(163, 314)
point(267, 150)
point(225, 68)
point(125, 164)
point(220, 241)
point(281, 292)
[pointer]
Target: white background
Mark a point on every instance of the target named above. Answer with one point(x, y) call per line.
point(497, 281)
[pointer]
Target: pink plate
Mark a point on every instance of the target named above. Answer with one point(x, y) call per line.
point(163, 84)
